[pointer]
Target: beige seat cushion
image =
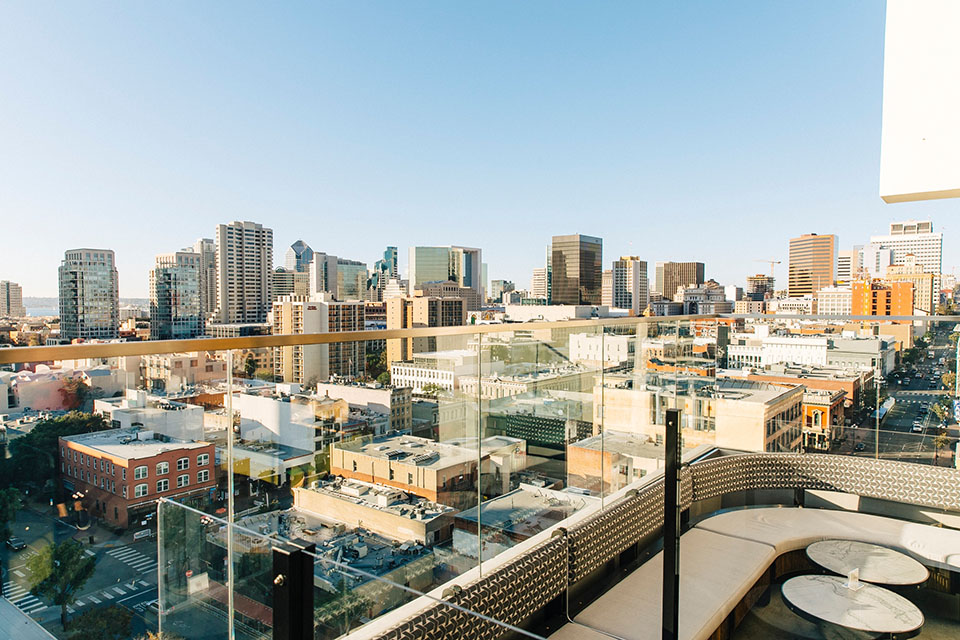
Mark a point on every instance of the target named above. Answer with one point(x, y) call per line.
point(716, 571)
point(791, 528)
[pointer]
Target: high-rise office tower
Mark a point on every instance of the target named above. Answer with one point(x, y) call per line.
point(383, 271)
point(207, 249)
point(462, 265)
point(812, 261)
point(175, 310)
point(917, 239)
point(298, 256)
point(285, 282)
point(630, 288)
point(672, 275)
point(323, 273)
point(538, 284)
point(606, 288)
point(874, 260)
point(89, 295)
point(577, 272)
point(11, 300)
point(244, 263)
point(351, 279)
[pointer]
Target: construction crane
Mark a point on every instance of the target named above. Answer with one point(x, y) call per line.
point(772, 264)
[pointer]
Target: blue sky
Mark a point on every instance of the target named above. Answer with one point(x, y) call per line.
point(690, 130)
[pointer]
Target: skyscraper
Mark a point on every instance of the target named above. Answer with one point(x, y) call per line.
point(351, 279)
point(917, 239)
point(298, 256)
point(577, 272)
point(630, 287)
point(849, 264)
point(89, 295)
point(175, 310)
point(538, 284)
point(672, 275)
point(384, 270)
point(323, 273)
point(812, 260)
point(420, 311)
point(11, 300)
point(462, 265)
point(244, 263)
point(207, 249)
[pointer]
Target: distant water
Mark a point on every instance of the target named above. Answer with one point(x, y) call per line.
point(42, 311)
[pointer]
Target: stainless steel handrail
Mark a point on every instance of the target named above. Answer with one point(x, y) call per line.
point(18, 355)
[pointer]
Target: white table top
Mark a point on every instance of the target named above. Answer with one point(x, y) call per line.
point(870, 608)
point(876, 564)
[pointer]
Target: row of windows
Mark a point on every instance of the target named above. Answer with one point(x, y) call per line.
point(163, 468)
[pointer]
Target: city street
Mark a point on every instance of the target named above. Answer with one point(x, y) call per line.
point(897, 439)
point(126, 571)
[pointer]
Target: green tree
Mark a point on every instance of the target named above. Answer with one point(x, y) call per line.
point(159, 635)
point(384, 378)
point(949, 379)
point(953, 337)
point(431, 389)
point(264, 374)
point(10, 503)
point(940, 442)
point(250, 366)
point(58, 572)
point(102, 623)
point(939, 410)
point(376, 364)
point(33, 456)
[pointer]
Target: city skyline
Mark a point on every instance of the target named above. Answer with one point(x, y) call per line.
point(633, 135)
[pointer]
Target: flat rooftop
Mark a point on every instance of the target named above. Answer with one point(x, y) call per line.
point(527, 510)
point(132, 443)
point(424, 452)
point(381, 498)
point(636, 445)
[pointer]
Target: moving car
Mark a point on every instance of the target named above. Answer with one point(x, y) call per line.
point(916, 429)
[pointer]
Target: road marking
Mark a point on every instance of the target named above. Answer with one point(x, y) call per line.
point(146, 584)
point(95, 599)
point(70, 610)
point(106, 594)
point(79, 603)
point(89, 553)
point(35, 608)
point(19, 574)
point(119, 591)
point(144, 564)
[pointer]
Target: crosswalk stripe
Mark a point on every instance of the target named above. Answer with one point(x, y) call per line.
point(16, 593)
point(19, 574)
point(33, 609)
point(89, 553)
point(144, 583)
point(119, 591)
point(71, 610)
point(26, 602)
point(106, 594)
point(143, 564)
point(95, 599)
point(127, 553)
point(79, 603)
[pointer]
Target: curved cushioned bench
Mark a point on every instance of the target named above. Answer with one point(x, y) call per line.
point(724, 556)
point(790, 529)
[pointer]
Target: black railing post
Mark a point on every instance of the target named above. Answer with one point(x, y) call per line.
point(293, 592)
point(670, 615)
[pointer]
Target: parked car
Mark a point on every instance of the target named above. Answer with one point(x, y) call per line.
point(16, 544)
point(860, 447)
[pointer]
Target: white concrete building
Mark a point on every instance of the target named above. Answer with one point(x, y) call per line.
point(630, 287)
point(917, 238)
point(137, 409)
point(834, 301)
point(596, 350)
point(802, 305)
point(394, 401)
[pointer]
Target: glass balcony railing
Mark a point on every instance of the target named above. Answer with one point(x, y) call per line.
point(155, 486)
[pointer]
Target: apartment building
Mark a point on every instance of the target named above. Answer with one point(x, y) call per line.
point(123, 472)
point(11, 300)
point(89, 295)
point(917, 239)
point(244, 264)
point(176, 311)
point(207, 249)
point(812, 260)
point(630, 288)
point(835, 301)
point(286, 282)
point(395, 401)
point(539, 284)
point(446, 289)
point(877, 298)
point(173, 372)
point(420, 312)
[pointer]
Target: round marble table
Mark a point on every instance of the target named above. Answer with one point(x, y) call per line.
point(877, 564)
point(870, 608)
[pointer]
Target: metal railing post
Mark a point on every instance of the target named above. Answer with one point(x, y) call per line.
point(670, 614)
point(293, 592)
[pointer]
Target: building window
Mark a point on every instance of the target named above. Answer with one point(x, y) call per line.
point(124, 490)
point(183, 480)
point(123, 473)
point(163, 485)
point(354, 465)
point(409, 478)
point(140, 490)
point(103, 464)
point(203, 476)
point(163, 468)
point(203, 459)
point(391, 474)
point(116, 514)
point(140, 472)
point(183, 463)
